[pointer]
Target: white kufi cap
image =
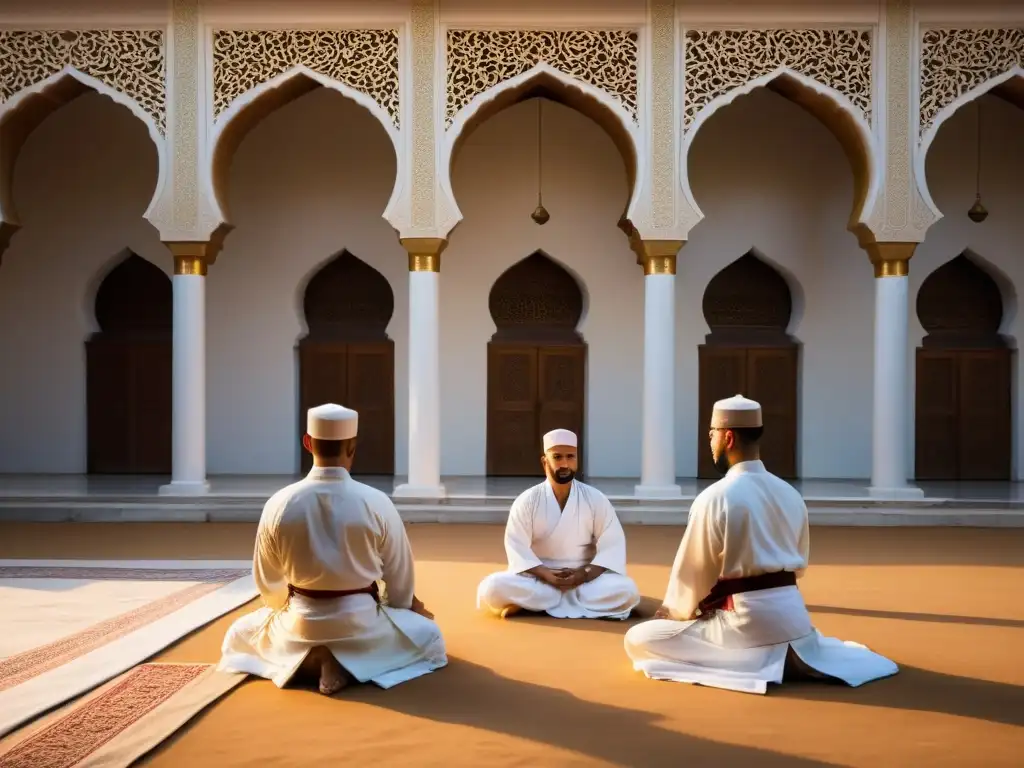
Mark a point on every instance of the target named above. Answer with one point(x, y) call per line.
point(736, 413)
point(559, 437)
point(332, 422)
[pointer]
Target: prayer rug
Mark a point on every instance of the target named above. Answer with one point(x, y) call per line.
point(121, 721)
point(70, 626)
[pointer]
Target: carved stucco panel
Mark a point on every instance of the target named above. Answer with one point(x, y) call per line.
point(956, 61)
point(719, 60)
point(365, 60)
point(130, 61)
point(481, 59)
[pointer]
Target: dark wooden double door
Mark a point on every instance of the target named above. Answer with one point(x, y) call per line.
point(358, 375)
point(128, 404)
point(531, 389)
point(766, 374)
point(963, 415)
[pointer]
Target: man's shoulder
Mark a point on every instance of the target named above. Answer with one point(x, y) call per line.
point(530, 495)
point(592, 493)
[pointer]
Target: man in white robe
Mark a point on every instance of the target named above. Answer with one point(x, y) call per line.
point(322, 546)
point(733, 616)
point(565, 546)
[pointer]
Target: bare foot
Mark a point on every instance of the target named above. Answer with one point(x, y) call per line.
point(510, 610)
point(332, 676)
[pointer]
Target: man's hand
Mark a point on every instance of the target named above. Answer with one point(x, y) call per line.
point(662, 613)
point(418, 607)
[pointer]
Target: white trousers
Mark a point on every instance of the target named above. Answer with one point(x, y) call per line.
point(609, 596)
point(745, 649)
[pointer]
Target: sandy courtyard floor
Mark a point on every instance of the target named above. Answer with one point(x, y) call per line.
point(947, 605)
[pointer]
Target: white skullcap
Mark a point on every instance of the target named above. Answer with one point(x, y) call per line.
point(559, 437)
point(736, 413)
point(332, 422)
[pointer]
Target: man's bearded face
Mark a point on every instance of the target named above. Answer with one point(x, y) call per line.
point(560, 464)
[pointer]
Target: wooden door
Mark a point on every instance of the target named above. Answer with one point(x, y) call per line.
point(531, 389)
point(936, 419)
point(128, 406)
point(963, 419)
point(359, 375)
point(766, 374)
point(772, 375)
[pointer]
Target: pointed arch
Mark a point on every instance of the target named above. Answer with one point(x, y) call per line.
point(1008, 86)
point(129, 371)
point(961, 304)
point(748, 306)
point(833, 110)
point(536, 299)
point(963, 414)
point(25, 111)
point(347, 299)
point(543, 81)
point(134, 298)
point(249, 109)
point(347, 357)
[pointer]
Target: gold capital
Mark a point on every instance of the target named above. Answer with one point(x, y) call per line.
point(657, 257)
point(890, 259)
point(424, 253)
point(190, 258)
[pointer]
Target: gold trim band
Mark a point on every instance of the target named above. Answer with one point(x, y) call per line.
point(190, 265)
point(659, 265)
point(657, 257)
point(892, 268)
point(424, 253)
point(890, 259)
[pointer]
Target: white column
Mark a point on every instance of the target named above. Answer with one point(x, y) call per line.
point(424, 479)
point(890, 422)
point(188, 453)
point(658, 458)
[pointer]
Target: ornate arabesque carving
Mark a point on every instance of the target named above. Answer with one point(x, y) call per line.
point(348, 300)
point(748, 299)
point(719, 60)
point(479, 59)
point(365, 60)
point(959, 304)
point(536, 299)
point(130, 61)
point(955, 61)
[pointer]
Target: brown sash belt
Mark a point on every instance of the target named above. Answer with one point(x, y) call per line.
point(726, 588)
point(327, 594)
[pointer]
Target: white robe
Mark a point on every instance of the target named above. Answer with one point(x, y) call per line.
point(330, 532)
point(748, 523)
point(539, 532)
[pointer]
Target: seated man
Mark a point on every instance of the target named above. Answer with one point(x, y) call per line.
point(322, 545)
point(733, 616)
point(566, 549)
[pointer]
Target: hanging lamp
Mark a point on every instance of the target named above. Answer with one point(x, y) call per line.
point(540, 214)
point(978, 212)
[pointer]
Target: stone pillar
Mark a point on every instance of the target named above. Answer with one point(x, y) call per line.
point(188, 452)
point(424, 369)
point(890, 418)
point(658, 461)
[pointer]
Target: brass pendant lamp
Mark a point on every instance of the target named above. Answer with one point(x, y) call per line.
point(978, 212)
point(540, 214)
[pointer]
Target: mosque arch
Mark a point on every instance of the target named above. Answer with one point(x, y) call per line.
point(26, 110)
point(545, 82)
point(249, 109)
point(128, 371)
point(347, 356)
point(964, 380)
point(748, 307)
point(1008, 86)
point(833, 110)
point(536, 364)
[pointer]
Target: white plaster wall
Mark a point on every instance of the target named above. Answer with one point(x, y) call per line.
point(310, 180)
point(768, 176)
point(998, 242)
point(585, 190)
point(81, 185)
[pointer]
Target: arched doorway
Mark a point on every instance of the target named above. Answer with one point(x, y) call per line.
point(346, 357)
point(964, 377)
point(128, 372)
point(748, 306)
point(536, 364)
